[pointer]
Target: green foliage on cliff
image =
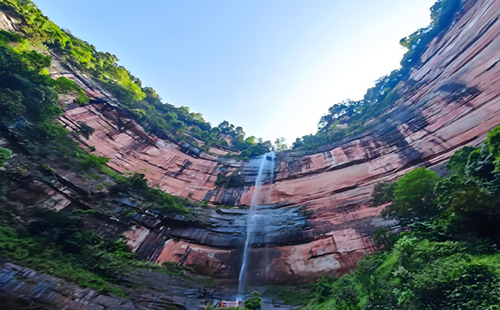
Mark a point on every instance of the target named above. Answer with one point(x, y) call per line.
point(442, 15)
point(28, 100)
point(143, 103)
point(27, 94)
point(60, 244)
point(352, 117)
point(65, 86)
point(5, 154)
point(159, 200)
point(447, 258)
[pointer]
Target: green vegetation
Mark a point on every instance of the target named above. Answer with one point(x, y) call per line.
point(414, 197)
point(5, 154)
point(58, 243)
point(143, 103)
point(291, 295)
point(351, 117)
point(447, 258)
point(254, 302)
point(30, 97)
point(442, 15)
point(160, 200)
point(25, 91)
point(66, 86)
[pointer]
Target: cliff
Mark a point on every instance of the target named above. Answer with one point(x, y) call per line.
point(316, 215)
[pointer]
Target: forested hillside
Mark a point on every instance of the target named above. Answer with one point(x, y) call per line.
point(30, 234)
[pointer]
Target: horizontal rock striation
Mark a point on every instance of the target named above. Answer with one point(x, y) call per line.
point(316, 217)
point(24, 288)
point(451, 100)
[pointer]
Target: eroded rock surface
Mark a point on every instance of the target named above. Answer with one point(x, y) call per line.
point(24, 288)
point(452, 100)
point(318, 216)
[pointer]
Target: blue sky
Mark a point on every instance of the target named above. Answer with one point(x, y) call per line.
point(271, 66)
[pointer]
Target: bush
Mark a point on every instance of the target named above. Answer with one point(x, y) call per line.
point(85, 130)
point(5, 154)
point(59, 243)
point(323, 288)
point(458, 161)
point(66, 86)
point(254, 302)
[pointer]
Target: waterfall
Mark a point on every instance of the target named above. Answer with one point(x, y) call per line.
point(253, 214)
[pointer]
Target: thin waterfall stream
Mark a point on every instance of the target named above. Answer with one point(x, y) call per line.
point(266, 166)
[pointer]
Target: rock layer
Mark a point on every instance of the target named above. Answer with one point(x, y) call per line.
point(319, 218)
point(452, 100)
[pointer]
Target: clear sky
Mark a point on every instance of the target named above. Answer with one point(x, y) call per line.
point(273, 67)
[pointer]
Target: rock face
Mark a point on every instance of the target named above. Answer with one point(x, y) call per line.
point(316, 217)
point(130, 148)
point(24, 288)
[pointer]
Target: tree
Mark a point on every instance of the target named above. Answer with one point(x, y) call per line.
point(323, 288)
point(11, 102)
point(251, 140)
point(367, 277)
point(225, 127)
point(85, 130)
point(414, 196)
point(346, 297)
point(347, 107)
point(458, 161)
point(298, 143)
point(493, 144)
point(383, 193)
point(384, 237)
point(239, 134)
point(280, 145)
point(254, 302)
point(480, 164)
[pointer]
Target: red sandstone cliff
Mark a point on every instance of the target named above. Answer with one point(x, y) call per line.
point(453, 101)
point(320, 218)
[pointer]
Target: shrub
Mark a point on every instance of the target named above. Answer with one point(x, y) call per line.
point(5, 154)
point(323, 288)
point(254, 302)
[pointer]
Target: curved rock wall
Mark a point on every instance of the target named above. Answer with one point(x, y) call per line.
point(451, 100)
point(131, 149)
